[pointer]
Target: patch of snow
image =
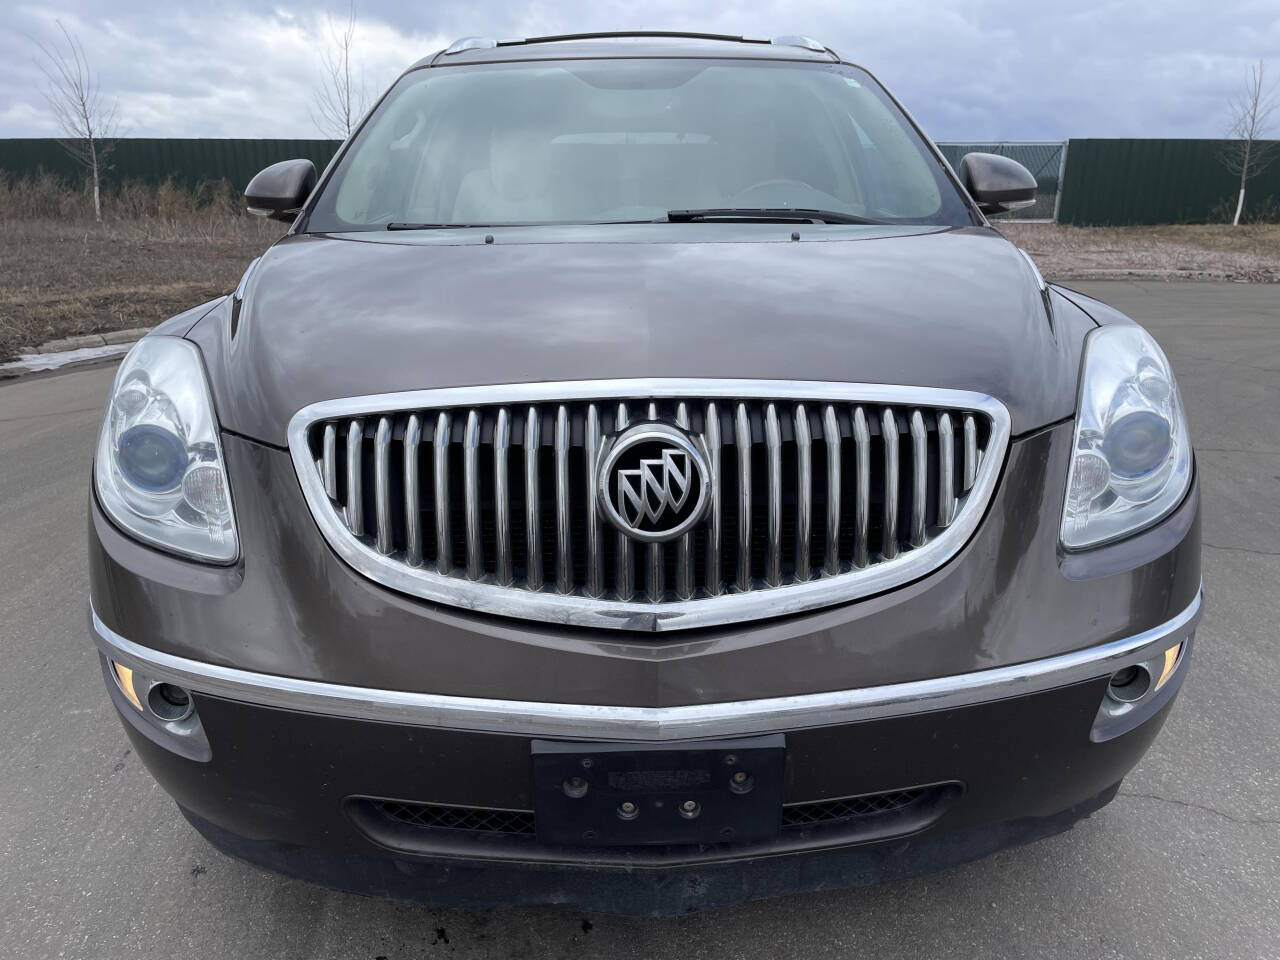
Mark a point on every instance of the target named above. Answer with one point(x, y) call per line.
point(52, 361)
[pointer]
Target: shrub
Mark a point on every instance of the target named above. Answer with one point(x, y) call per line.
point(47, 197)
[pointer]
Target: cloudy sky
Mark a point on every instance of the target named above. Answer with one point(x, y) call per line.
point(967, 69)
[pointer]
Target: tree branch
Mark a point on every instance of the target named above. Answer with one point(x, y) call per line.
point(340, 99)
point(87, 119)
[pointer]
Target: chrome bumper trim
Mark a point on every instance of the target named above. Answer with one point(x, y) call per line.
point(598, 722)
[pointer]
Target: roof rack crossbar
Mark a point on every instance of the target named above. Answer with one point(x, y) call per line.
point(617, 34)
point(486, 43)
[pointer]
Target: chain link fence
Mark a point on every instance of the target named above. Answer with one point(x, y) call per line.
point(1045, 160)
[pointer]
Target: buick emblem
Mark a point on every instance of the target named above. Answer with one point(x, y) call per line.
point(653, 482)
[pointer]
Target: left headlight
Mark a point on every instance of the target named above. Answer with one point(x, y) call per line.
point(1132, 457)
point(159, 469)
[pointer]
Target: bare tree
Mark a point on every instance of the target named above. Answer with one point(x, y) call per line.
point(86, 117)
point(1247, 154)
point(341, 99)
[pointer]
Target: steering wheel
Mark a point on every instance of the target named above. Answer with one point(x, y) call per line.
point(776, 182)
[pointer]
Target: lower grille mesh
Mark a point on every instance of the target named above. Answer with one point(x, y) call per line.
point(521, 822)
point(848, 808)
point(472, 819)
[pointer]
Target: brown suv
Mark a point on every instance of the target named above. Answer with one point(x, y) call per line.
point(643, 479)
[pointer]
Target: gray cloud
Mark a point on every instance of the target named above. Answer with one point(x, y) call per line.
point(967, 69)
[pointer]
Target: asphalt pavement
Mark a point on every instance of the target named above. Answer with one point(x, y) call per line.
point(96, 862)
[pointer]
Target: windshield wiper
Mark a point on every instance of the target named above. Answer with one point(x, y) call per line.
point(766, 214)
point(434, 226)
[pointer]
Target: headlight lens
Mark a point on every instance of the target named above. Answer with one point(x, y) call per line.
point(159, 470)
point(1132, 462)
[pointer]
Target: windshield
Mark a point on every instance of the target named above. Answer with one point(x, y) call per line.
point(633, 140)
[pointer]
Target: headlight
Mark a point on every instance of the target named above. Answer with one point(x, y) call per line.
point(159, 471)
point(1132, 462)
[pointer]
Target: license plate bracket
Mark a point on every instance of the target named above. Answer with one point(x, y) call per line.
point(611, 794)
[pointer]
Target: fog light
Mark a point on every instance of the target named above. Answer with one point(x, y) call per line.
point(1129, 684)
point(124, 679)
point(1131, 696)
point(168, 702)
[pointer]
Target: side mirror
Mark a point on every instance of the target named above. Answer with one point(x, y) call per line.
point(997, 183)
point(281, 189)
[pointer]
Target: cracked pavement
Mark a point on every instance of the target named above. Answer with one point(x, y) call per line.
point(96, 861)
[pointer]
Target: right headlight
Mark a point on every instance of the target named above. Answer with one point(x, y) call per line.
point(159, 470)
point(1132, 457)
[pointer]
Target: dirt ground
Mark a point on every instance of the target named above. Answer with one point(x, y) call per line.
point(59, 279)
point(1248, 253)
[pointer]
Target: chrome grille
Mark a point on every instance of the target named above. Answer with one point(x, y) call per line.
point(485, 497)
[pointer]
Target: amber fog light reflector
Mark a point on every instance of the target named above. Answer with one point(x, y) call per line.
point(1170, 664)
point(124, 677)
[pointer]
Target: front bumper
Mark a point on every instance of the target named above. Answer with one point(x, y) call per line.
point(1001, 756)
point(316, 689)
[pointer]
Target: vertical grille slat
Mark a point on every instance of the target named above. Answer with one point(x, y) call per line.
point(412, 492)
point(919, 477)
point(711, 436)
point(862, 490)
point(532, 500)
point(804, 493)
point(773, 540)
point(595, 552)
point(329, 460)
point(625, 585)
point(564, 562)
point(471, 495)
point(444, 540)
point(502, 498)
point(655, 577)
point(801, 492)
point(355, 478)
point(684, 548)
point(889, 438)
point(831, 433)
point(970, 452)
point(946, 471)
point(742, 437)
point(382, 485)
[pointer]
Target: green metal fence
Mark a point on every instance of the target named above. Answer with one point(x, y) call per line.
point(188, 162)
point(1115, 182)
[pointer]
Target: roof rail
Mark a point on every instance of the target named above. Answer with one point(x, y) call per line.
point(795, 41)
point(485, 43)
point(469, 43)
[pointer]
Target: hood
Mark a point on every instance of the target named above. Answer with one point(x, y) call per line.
point(336, 316)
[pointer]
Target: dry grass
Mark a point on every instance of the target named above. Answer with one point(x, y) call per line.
point(1250, 252)
point(158, 251)
point(161, 249)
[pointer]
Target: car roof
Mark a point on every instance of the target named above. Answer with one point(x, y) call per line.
point(623, 45)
